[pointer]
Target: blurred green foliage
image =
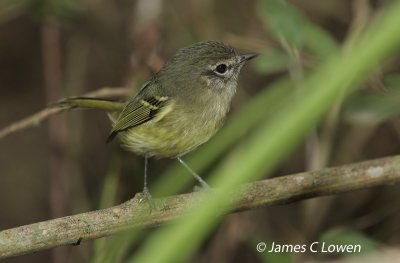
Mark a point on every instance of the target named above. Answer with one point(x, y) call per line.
point(305, 70)
point(288, 24)
point(260, 152)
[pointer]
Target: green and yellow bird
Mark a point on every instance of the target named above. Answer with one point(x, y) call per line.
point(179, 108)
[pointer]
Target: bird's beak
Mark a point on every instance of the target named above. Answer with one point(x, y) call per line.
point(247, 57)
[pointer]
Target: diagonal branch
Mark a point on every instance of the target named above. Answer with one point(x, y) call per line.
point(72, 229)
point(38, 117)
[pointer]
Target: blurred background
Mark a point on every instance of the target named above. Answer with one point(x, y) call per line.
point(55, 49)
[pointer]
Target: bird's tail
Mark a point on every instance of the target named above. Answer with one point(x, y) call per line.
point(90, 103)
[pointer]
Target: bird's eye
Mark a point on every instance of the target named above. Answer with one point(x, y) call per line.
point(221, 68)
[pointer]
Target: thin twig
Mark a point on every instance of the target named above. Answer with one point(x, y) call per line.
point(74, 229)
point(40, 116)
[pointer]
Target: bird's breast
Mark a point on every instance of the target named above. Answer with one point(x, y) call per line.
point(178, 132)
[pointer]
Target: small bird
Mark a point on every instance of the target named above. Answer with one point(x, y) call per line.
point(179, 108)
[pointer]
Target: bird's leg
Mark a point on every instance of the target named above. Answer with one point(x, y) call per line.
point(145, 188)
point(146, 193)
point(195, 175)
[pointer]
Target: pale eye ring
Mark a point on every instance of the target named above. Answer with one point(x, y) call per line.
point(221, 68)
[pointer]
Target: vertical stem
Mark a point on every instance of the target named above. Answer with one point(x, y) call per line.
point(51, 51)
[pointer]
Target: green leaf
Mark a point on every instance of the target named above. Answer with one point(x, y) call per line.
point(320, 43)
point(392, 81)
point(101, 246)
point(284, 20)
point(288, 22)
point(372, 108)
point(272, 60)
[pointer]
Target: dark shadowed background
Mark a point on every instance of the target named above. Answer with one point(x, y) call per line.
point(55, 49)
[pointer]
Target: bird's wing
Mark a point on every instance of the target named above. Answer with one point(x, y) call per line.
point(141, 110)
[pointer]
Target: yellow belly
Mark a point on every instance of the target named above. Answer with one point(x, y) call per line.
point(166, 139)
